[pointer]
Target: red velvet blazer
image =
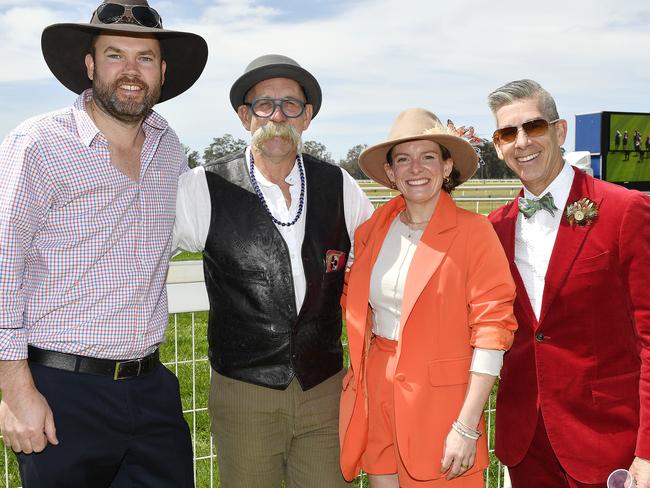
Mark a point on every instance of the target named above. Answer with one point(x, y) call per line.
point(586, 363)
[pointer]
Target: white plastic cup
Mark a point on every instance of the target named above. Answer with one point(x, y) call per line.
point(621, 478)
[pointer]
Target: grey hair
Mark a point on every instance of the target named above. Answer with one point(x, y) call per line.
point(522, 89)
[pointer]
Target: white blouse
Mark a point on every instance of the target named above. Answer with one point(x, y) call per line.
point(387, 290)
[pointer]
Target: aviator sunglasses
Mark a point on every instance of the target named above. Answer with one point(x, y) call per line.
point(111, 13)
point(533, 128)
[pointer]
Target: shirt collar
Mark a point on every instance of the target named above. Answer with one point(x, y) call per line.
point(292, 178)
point(559, 187)
point(88, 131)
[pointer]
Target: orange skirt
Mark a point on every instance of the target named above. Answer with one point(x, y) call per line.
point(382, 455)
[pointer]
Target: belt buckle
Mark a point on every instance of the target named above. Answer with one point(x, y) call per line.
point(120, 364)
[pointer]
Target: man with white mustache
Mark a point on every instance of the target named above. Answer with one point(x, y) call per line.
point(88, 196)
point(276, 229)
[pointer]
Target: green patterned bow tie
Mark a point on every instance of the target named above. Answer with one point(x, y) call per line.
point(530, 206)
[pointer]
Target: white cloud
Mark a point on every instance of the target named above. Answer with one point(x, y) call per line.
point(375, 58)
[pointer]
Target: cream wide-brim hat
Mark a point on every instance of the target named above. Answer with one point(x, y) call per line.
point(418, 124)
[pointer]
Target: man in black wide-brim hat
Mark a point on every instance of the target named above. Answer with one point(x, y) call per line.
point(88, 197)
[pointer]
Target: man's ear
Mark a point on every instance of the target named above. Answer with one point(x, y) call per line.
point(245, 116)
point(90, 66)
point(497, 148)
point(163, 70)
point(560, 131)
point(309, 113)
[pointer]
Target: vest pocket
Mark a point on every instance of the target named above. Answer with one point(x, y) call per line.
point(247, 275)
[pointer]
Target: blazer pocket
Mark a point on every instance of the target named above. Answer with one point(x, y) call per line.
point(591, 264)
point(615, 389)
point(448, 372)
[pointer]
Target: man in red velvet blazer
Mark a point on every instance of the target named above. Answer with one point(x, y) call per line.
point(574, 397)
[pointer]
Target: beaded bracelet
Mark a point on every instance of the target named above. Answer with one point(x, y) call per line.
point(465, 431)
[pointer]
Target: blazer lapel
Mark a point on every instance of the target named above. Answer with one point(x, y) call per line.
point(506, 229)
point(568, 243)
point(359, 281)
point(430, 252)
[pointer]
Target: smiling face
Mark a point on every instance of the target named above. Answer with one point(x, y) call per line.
point(535, 160)
point(127, 75)
point(276, 142)
point(418, 170)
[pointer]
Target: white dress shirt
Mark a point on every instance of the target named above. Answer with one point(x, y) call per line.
point(387, 290)
point(535, 238)
point(193, 211)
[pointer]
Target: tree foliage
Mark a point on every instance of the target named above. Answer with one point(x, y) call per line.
point(222, 146)
point(317, 150)
point(492, 167)
point(193, 157)
point(350, 162)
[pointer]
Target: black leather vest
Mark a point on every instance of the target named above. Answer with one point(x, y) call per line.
point(255, 333)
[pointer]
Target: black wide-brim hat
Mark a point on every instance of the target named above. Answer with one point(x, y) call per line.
point(66, 45)
point(276, 66)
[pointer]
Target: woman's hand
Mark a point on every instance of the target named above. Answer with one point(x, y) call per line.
point(458, 454)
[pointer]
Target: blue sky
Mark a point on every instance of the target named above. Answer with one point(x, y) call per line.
point(372, 59)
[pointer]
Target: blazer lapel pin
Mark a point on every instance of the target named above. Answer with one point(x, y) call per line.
point(581, 212)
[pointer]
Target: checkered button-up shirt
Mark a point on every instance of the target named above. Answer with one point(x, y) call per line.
point(83, 248)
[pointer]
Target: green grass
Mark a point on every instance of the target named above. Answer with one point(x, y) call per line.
point(187, 358)
point(188, 256)
point(468, 190)
point(634, 168)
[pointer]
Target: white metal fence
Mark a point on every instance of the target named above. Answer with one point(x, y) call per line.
point(185, 353)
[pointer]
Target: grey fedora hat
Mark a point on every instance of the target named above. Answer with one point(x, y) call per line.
point(275, 66)
point(65, 46)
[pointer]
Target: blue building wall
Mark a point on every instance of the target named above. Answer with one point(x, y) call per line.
point(588, 138)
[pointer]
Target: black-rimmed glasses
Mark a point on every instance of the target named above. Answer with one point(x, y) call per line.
point(264, 107)
point(533, 128)
point(111, 13)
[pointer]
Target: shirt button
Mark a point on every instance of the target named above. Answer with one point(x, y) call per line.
point(400, 376)
point(540, 337)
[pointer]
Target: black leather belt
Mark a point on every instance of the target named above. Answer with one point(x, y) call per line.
point(118, 370)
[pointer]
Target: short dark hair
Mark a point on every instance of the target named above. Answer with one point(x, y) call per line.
point(449, 183)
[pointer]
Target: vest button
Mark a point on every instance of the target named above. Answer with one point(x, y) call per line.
point(540, 337)
point(400, 376)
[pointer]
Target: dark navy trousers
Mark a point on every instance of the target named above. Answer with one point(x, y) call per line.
point(117, 434)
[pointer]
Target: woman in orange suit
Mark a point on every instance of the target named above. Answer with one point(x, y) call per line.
point(429, 315)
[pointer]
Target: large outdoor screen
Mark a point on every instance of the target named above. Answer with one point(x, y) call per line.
point(626, 149)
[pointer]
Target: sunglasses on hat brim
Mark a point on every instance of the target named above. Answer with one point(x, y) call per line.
point(112, 13)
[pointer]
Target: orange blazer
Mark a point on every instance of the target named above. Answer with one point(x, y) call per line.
point(459, 293)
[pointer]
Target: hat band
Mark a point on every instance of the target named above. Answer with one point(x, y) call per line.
point(114, 13)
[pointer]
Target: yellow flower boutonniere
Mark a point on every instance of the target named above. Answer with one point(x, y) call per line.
point(581, 212)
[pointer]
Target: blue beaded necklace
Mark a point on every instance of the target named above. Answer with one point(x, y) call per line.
point(260, 195)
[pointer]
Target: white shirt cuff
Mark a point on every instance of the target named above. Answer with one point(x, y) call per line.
point(487, 361)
